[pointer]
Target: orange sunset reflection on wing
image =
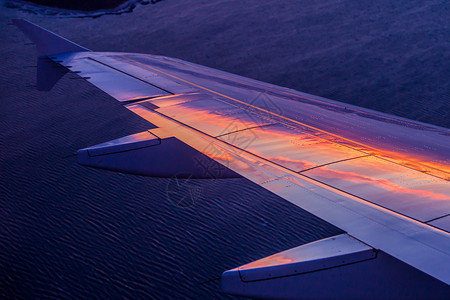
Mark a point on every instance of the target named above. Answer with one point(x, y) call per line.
point(274, 260)
point(395, 180)
point(294, 149)
point(390, 185)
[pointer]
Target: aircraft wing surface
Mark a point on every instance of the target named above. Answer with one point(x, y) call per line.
point(382, 179)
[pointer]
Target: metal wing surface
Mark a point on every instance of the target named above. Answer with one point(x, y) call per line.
point(382, 179)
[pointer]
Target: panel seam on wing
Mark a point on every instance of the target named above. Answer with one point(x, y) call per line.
point(244, 129)
point(335, 162)
point(435, 219)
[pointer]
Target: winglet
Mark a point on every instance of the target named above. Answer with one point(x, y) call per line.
point(47, 43)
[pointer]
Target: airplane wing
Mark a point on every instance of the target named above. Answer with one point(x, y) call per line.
point(382, 179)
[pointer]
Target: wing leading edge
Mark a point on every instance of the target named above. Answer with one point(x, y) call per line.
point(382, 179)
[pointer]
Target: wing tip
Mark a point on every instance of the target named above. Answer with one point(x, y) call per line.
point(47, 42)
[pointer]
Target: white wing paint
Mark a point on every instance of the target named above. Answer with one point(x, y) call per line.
point(382, 179)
